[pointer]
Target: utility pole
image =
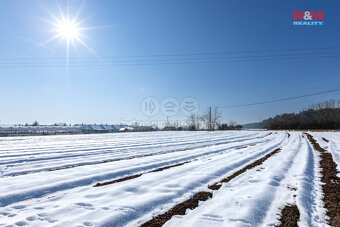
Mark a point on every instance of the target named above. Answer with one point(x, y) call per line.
point(167, 121)
point(209, 127)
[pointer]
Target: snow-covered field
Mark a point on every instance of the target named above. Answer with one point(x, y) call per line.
point(49, 181)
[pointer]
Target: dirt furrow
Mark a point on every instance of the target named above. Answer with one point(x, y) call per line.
point(192, 203)
point(258, 162)
point(290, 216)
point(117, 180)
point(180, 209)
point(324, 139)
point(138, 175)
point(331, 183)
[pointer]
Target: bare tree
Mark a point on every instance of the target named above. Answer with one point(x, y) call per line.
point(232, 124)
point(193, 122)
point(175, 124)
point(216, 119)
point(136, 125)
point(205, 118)
point(211, 119)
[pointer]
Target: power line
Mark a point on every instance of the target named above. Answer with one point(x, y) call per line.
point(264, 58)
point(280, 100)
point(162, 60)
point(177, 55)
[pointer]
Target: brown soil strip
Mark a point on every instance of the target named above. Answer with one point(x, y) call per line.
point(324, 139)
point(258, 162)
point(180, 209)
point(168, 167)
point(137, 175)
point(118, 180)
point(241, 147)
point(290, 216)
point(192, 203)
point(331, 183)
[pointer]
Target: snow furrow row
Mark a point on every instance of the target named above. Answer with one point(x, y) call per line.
point(126, 203)
point(157, 171)
point(49, 182)
point(257, 197)
point(42, 163)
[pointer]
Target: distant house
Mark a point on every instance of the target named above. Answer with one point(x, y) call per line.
point(98, 128)
point(169, 128)
point(145, 129)
point(86, 128)
point(127, 129)
point(110, 128)
point(117, 127)
point(155, 128)
point(38, 130)
point(131, 129)
point(123, 130)
point(18, 130)
point(94, 128)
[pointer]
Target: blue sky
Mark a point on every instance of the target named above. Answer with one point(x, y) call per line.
point(110, 94)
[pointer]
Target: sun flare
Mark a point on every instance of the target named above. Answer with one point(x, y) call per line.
point(68, 30)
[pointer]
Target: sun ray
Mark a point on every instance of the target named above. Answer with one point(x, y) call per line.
point(84, 19)
point(76, 15)
point(61, 12)
point(49, 40)
point(85, 37)
point(85, 45)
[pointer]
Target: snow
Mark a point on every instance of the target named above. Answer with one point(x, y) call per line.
point(30, 194)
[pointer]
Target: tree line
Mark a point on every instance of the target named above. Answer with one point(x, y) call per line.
point(322, 115)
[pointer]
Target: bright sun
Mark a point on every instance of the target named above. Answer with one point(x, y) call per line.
point(68, 30)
